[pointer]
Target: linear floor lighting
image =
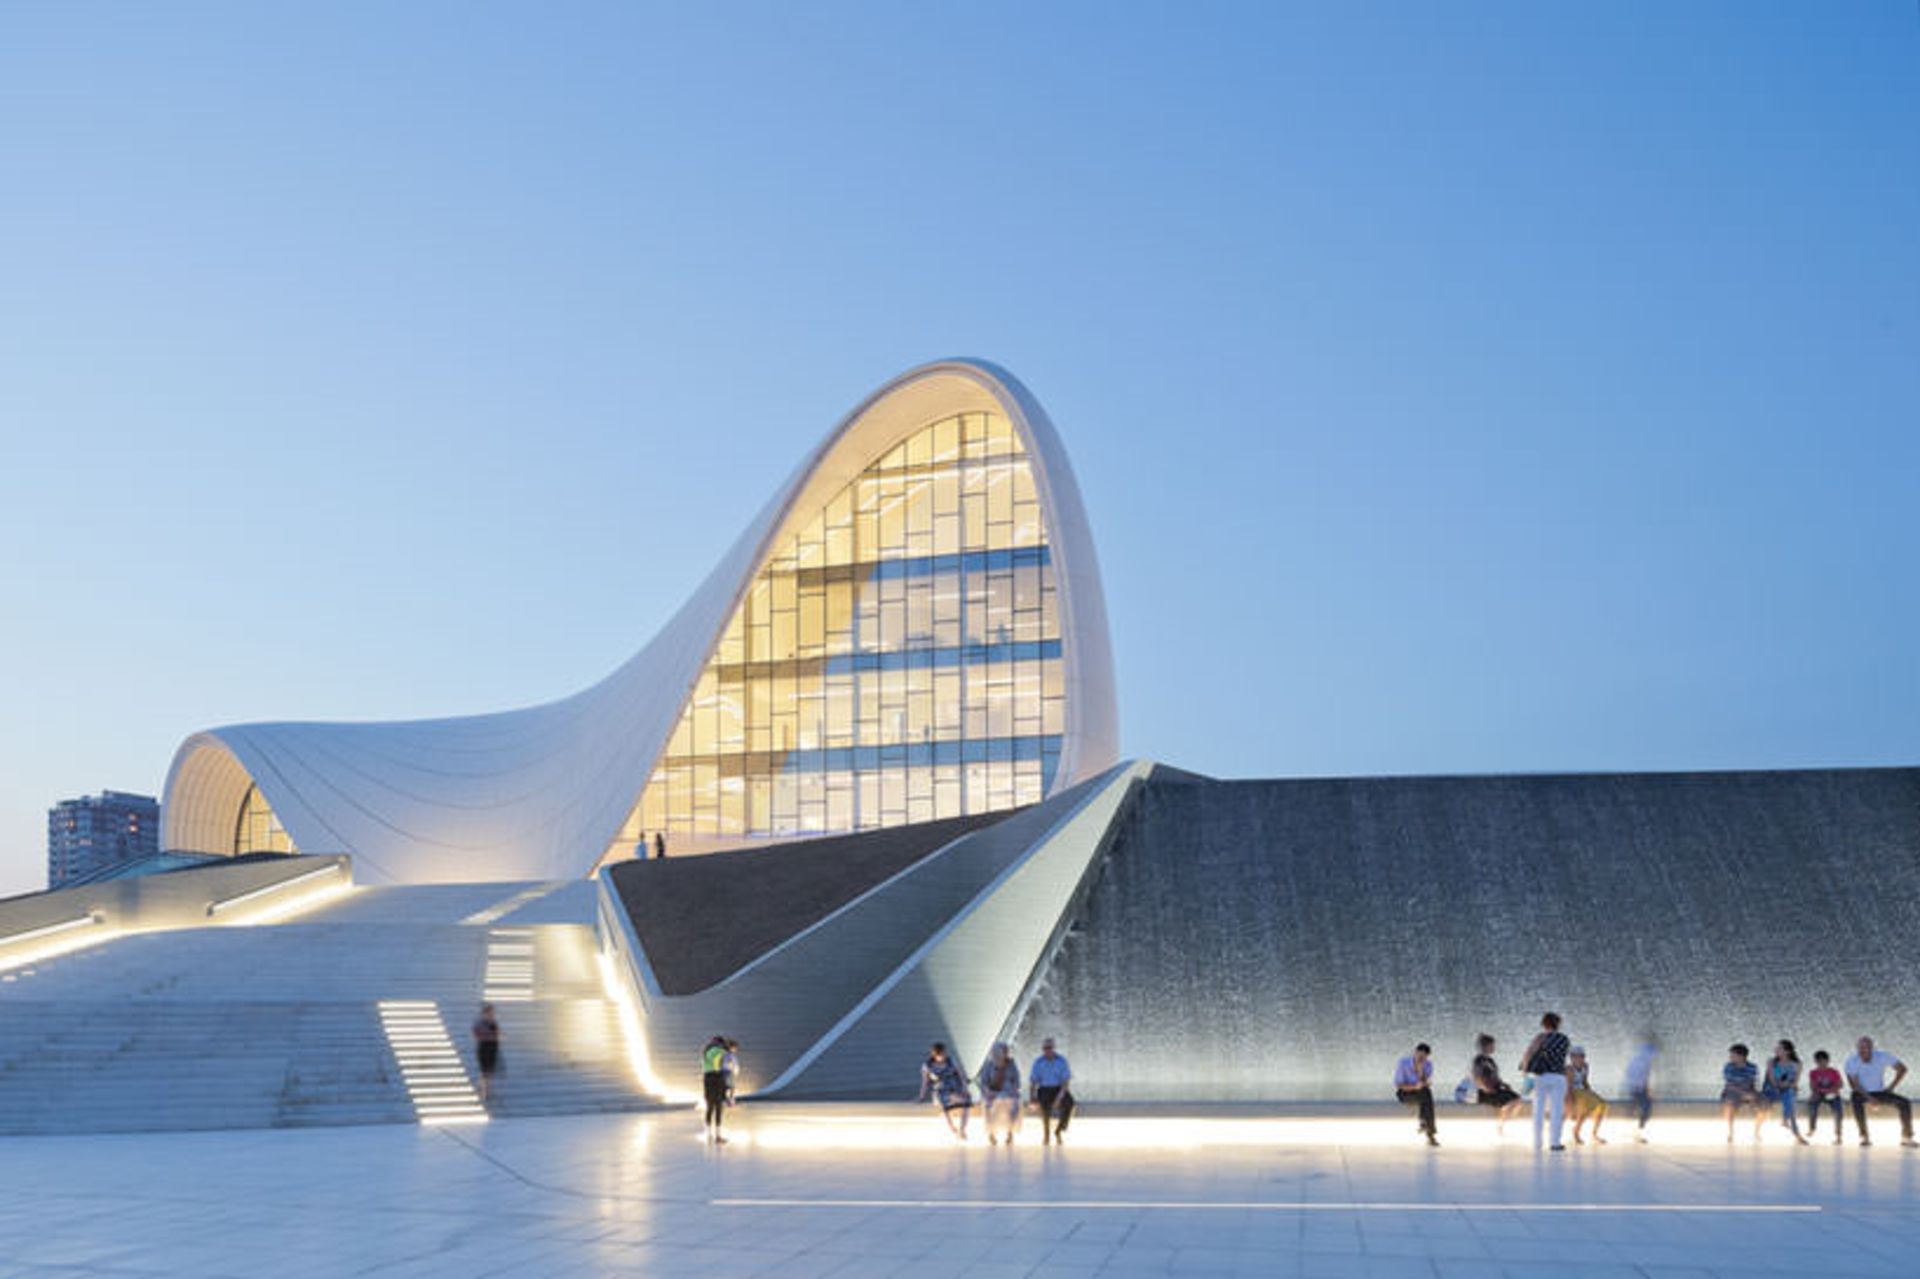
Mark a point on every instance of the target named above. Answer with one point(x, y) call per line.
point(50, 940)
point(316, 886)
point(435, 1077)
point(509, 974)
point(500, 910)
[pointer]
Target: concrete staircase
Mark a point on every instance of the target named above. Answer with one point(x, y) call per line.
point(281, 1025)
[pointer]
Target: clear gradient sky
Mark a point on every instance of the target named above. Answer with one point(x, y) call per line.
point(1452, 387)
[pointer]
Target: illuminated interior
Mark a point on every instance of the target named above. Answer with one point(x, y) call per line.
point(897, 659)
point(257, 830)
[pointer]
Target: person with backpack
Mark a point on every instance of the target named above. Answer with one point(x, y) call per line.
point(719, 1062)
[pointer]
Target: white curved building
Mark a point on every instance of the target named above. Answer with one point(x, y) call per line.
point(912, 628)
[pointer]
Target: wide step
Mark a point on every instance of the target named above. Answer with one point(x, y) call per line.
point(356, 1013)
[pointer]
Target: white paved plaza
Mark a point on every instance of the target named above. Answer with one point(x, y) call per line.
point(880, 1190)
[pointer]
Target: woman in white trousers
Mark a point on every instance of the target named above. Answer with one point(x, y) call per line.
point(1545, 1059)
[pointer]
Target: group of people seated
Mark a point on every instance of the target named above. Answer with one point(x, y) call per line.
point(945, 1080)
point(1559, 1078)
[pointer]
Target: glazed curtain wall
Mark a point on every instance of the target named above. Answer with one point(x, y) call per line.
point(257, 830)
point(896, 660)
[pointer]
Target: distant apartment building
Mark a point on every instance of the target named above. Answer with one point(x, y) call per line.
point(90, 834)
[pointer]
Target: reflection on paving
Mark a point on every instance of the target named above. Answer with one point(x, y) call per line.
point(876, 1190)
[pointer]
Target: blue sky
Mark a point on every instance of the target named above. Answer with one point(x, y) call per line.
point(1452, 388)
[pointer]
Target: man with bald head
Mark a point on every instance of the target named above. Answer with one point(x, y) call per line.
point(1867, 1074)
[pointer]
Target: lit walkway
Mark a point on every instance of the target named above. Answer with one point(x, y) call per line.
point(874, 1191)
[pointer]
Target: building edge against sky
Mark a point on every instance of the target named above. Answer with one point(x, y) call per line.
point(940, 585)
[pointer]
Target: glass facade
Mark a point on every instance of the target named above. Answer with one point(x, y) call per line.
point(257, 830)
point(897, 659)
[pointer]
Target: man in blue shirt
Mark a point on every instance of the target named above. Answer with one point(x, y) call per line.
point(1048, 1082)
point(1413, 1085)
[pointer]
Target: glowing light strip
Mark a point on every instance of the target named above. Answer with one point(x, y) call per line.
point(509, 973)
point(628, 1014)
point(501, 909)
point(48, 930)
point(67, 941)
point(1176, 1205)
point(214, 908)
point(430, 1068)
point(814, 1129)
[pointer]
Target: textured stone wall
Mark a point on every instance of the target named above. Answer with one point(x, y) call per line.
point(1288, 940)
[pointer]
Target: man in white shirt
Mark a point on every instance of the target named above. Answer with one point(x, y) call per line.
point(1866, 1073)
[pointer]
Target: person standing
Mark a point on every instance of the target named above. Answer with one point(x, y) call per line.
point(486, 1048)
point(1867, 1075)
point(1546, 1060)
point(942, 1077)
point(1640, 1084)
point(1490, 1089)
point(1413, 1085)
point(719, 1062)
point(1823, 1089)
point(659, 845)
point(1048, 1080)
point(1000, 1094)
point(1783, 1085)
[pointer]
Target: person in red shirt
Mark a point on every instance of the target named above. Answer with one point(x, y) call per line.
point(1823, 1089)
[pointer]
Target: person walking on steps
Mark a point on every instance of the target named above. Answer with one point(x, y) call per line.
point(1866, 1072)
point(659, 845)
point(486, 1049)
point(719, 1063)
point(1048, 1080)
point(1413, 1086)
point(1545, 1059)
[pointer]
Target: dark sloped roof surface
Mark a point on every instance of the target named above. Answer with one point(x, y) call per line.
point(702, 918)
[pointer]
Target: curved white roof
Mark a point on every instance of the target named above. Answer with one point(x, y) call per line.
point(538, 793)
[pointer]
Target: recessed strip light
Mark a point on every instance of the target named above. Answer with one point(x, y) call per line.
point(509, 974)
point(435, 1078)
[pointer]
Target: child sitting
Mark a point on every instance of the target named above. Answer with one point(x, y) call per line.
point(1823, 1089)
point(1740, 1087)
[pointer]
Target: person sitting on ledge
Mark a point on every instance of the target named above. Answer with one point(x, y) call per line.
point(1583, 1103)
point(1823, 1090)
point(1740, 1086)
point(1491, 1090)
point(1413, 1085)
point(1867, 1074)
